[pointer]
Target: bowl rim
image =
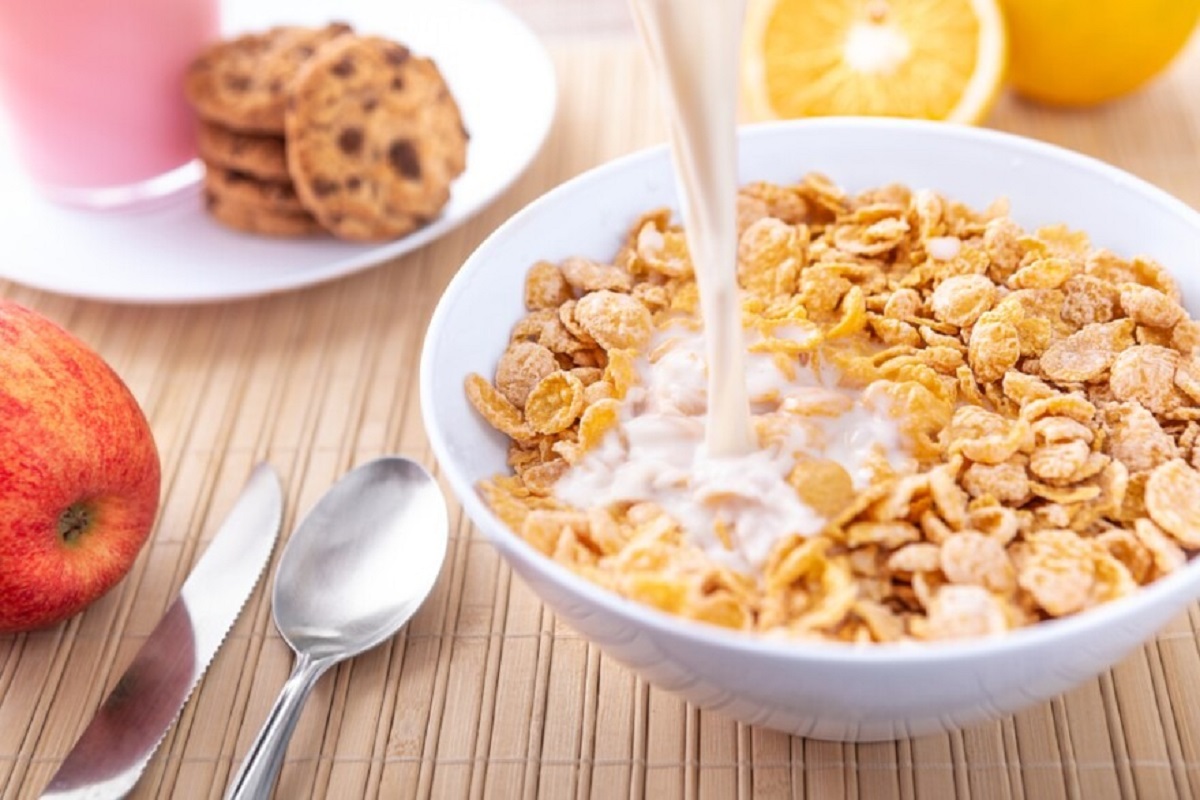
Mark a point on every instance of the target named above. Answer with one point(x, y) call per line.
point(931, 653)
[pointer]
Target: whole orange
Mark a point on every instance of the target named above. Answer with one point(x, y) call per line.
point(1083, 52)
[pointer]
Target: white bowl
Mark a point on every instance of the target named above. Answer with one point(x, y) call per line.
point(820, 690)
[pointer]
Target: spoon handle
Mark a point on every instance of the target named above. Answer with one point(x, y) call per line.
point(260, 770)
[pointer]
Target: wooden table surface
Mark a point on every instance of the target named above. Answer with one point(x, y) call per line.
point(485, 694)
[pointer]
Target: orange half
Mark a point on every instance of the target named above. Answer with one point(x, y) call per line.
point(928, 59)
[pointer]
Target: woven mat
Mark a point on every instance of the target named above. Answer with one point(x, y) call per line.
point(484, 694)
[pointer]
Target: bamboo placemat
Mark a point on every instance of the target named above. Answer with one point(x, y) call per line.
point(484, 694)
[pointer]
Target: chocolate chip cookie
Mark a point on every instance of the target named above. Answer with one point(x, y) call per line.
point(246, 190)
point(374, 138)
point(259, 155)
point(264, 221)
point(242, 83)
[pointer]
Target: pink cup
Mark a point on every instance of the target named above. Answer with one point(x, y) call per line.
point(93, 92)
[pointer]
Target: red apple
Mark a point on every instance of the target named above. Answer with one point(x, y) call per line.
point(79, 473)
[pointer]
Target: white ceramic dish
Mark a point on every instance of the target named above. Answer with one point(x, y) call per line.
point(498, 70)
point(824, 691)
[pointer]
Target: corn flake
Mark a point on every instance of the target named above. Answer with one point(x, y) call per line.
point(1147, 306)
point(995, 348)
point(597, 420)
point(545, 286)
point(555, 403)
point(1057, 570)
point(1059, 461)
point(496, 408)
point(974, 558)
point(1088, 299)
point(1044, 273)
point(1087, 354)
point(1146, 374)
point(614, 320)
point(585, 275)
point(1168, 556)
point(1171, 493)
point(958, 612)
point(520, 368)
point(1007, 482)
point(1136, 438)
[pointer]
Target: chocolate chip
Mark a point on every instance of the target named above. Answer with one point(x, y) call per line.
point(402, 155)
point(369, 104)
point(396, 54)
point(350, 141)
point(279, 191)
point(323, 187)
point(237, 83)
point(343, 68)
point(353, 182)
point(397, 84)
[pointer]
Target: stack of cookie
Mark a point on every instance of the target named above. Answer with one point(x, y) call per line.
point(306, 130)
point(247, 184)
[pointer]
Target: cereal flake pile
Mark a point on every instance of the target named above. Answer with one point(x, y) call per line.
point(1049, 393)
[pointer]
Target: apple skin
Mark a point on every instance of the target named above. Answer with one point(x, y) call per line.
point(79, 473)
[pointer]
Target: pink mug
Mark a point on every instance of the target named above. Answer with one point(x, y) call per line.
point(93, 94)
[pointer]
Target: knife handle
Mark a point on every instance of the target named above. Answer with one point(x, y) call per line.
point(256, 779)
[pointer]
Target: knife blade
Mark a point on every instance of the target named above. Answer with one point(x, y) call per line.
point(132, 721)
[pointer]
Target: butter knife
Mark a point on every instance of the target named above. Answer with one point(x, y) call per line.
point(132, 721)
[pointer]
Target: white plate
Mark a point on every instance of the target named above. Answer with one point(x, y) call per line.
point(497, 69)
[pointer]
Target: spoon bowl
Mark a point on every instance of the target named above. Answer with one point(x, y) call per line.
point(362, 561)
point(356, 569)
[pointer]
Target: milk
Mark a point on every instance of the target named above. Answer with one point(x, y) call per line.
point(694, 49)
point(659, 453)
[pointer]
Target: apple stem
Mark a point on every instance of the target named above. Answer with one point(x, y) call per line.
point(73, 522)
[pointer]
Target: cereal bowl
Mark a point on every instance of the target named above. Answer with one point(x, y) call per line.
point(823, 690)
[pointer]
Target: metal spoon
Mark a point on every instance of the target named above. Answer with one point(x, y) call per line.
point(358, 566)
